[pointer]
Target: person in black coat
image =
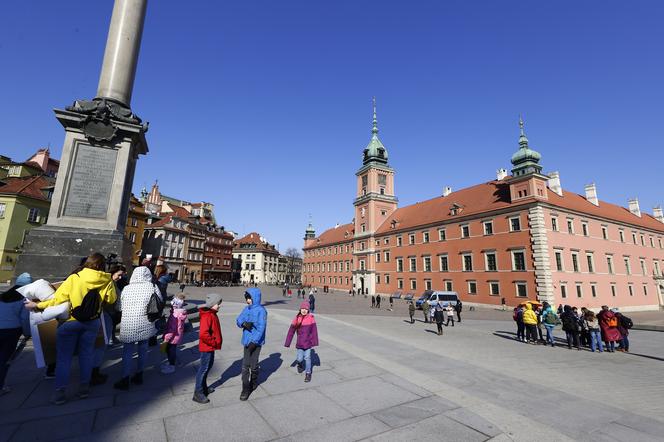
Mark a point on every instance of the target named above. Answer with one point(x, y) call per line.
point(312, 302)
point(458, 307)
point(439, 316)
point(377, 301)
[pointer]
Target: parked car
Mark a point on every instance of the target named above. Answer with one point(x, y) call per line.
point(434, 297)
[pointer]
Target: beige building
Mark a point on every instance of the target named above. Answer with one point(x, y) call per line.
point(260, 260)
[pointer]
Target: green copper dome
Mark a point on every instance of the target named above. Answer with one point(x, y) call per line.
point(375, 151)
point(525, 160)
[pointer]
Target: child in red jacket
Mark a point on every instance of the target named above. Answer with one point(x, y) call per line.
point(209, 341)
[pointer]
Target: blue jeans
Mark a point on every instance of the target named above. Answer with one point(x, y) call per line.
point(596, 340)
point(70, 336)
point(101, 351)
point(207, 360)
point(128, 356)
point(306, 355)
point(624, 343)
point(549, 333)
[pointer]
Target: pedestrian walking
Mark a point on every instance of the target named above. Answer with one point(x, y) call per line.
point(85, 290)
point(136, 329)
point(592, 325)
point(624, 324)
point(304, 324)
point(458, 308)
point(391, 303)
point(209, 341)
point(411, 311)
point(530, 321)
point(570, 327)
point(608, 323)
point(174, 332)
point(312, 302)
point(373, 301)
point(14, 321)
point(438, 316)
point(517, 316)
point(253, 322)
point(377, 301)
point(449, 311)
point(550, 320)
point(425, 309)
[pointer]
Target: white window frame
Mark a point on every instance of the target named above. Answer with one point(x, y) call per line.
point(412, 264)
point(440, 262)
point(462, 227)
point(413, 284)
point(469, 282)
point(486, 260)
point(400, 283)
point(525, 265)
point(559, 254)
point(485, 224)
point(518, 284)
point(579, 290)
point(463, 262)
point(512, 229)
point(425, 237)
point(491, 284)
point(590, 261)
point(424, 263)
point(442, 235)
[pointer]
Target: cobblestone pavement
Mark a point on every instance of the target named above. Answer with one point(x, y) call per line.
point(376, 378)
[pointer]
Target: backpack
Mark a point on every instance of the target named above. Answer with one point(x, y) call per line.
point(570, 323)
point(90, 307)
point(612, 322)
point(626, 322)
point(550, 318)
point(155, 307)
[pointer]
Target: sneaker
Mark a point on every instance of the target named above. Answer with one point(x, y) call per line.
point(168, 369)
point(59, 397)
point(49, 375)
point(84, 391)
point(200, 398)
point(307, 377)
point(300, 368)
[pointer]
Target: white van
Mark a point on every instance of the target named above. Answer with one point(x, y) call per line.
point(443, 297)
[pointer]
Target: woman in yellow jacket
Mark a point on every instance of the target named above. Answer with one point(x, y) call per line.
point(530, 319)
point(73, 333)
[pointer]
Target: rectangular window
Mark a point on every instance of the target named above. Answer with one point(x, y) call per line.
point(442, 236)
point(399, 241)
point(554, 224)
point(494, 288)
point(413, 284)
point(575, 262)
point(559, 261)
point(377, 256)
point(491, 265)
point(644, 271)
point(467, 263)
point(591, 263)
point(386, 255)
point(605, 232)
point(652, 242)
point(377, 279)
point(399, 264)
point(400, 283)
point(630, 288)
point(362, 265)
point(387, 279)
point(33, 215)
point(643, 241)
point(584, 228)
point(488, 228)
point(634, 238)
point(443, 263)
point(563, 291)
point(413, 264)
point(621, 233)
point(427, 263)
point(521, 289)
point(579, 291)
point(515, 224)
point(472, 287)
point(518, 261)
point(427, 284)
point(465, 231)
point(656, 266)
point(448, 285)
point(593, 290)
point(425, 237)
point(570, 227)
point(628, 268)
point(132, 237)
point(613, 290)
point(3, 207)
point(609, 264)
point(411, 239)
point(645, 290)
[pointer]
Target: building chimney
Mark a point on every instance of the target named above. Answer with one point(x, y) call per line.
point(591, 194)
point(633, 204)
point(447, 190)
point(658, 214)
point(501, 174)
point(554, 183)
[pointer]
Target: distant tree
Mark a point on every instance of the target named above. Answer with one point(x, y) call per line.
point(294, 266)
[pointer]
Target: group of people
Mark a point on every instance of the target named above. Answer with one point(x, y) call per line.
point(440, 312)
point(606, 330)
point(100, 297)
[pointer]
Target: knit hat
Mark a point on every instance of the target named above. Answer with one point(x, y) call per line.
point(23, 279)
point(212, 299)
point(177, 302)
point(247, 295)
point(305, 305)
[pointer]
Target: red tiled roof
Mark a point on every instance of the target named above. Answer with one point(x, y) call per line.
point(27, 186)
point(179, 211)
point(163, 223)
point(334, 235)
point(255, 238)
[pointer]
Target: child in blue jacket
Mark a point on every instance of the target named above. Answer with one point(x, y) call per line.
point(253, 322)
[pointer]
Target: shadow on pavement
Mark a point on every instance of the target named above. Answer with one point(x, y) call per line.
point(233, 370)
point(646, 356)
point(277, 302)
point(268, 366)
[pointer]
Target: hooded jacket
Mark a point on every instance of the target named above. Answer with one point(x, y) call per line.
point(257, 315)
point(175, 326)
point(209, 334)
point(529, 316)
point(134, 300)
point(13, 313)
point(609, 333)
point(76, 286)
point(305, 327)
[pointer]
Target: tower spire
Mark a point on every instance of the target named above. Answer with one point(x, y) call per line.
point(374, 129)
point(523, 140)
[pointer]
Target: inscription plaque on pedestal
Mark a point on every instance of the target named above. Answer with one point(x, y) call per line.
point(91, 181)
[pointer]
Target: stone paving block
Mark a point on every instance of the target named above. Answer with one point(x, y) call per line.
point(646, 425)
point(55, 428)
point(142, 395)
point(73, 406)
point(300, 410)
point(615, 432)
point(353, 429)
point(355, 368)
point(296, 382)
point(146, 411)
point(239, 422)
point(230, 395)
point(19, 394)
point(472, 420)
point(6, 431)
point(435, 428)
point(405, 384)
point(152, 431)
point(367, 395)
point(415, 411)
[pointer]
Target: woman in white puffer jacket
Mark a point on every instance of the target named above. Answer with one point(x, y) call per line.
point(135, 328)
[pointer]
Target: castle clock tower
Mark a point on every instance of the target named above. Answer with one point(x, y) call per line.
point(374, 203)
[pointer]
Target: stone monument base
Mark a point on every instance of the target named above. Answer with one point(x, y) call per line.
point(52, 253)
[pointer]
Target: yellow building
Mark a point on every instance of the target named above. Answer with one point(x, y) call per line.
point(136, 219)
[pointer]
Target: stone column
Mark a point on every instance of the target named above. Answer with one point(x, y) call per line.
point(118, 70)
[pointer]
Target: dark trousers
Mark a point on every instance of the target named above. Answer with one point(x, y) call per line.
point(449, 318)
point(171, 353)
point(531, 332)
point(520, 331)
point(440, 327)
point(250, 366)
point(412, 320)
point(8, 339)
point(458, 316)
point(426, 316)
point(207, 361)
point(572, 339)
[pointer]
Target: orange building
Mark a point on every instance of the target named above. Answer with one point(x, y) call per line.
point(135, 227)
point(518, 236)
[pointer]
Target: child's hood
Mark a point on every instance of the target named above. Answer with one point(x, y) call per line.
point(179, 313)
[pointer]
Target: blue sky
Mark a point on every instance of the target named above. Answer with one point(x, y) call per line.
point(264, 107)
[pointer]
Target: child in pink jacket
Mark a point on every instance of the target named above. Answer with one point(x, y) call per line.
point(174, 332)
